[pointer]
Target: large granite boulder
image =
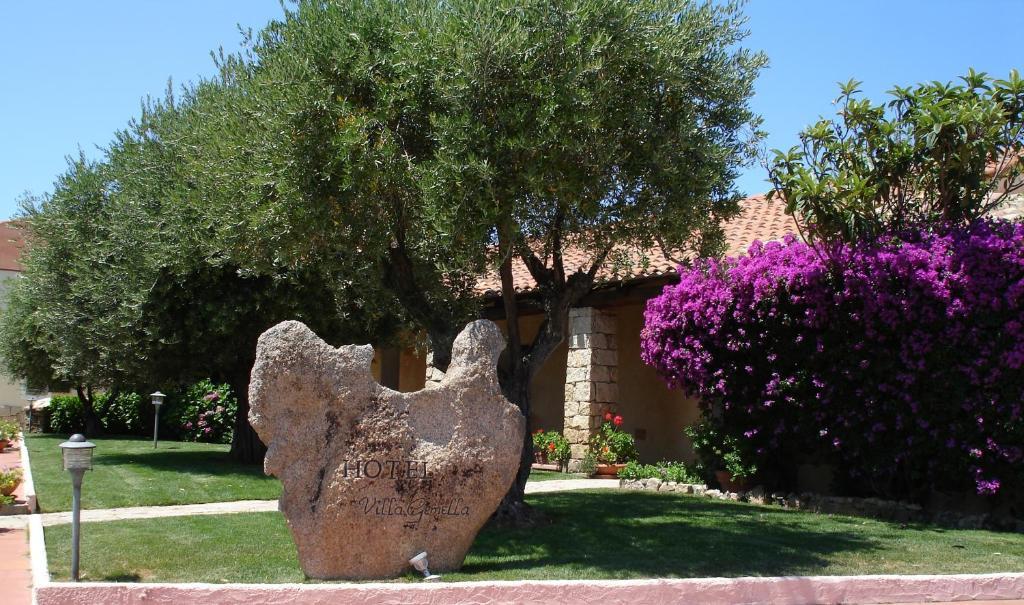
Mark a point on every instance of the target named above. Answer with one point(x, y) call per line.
point(373, 476)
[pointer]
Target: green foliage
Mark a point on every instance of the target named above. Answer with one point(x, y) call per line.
point(612, 445)
point(65, 415)
point(679, 472)
point(718, 451)
point(123, 414)
point(551, 445)
point(355, 165)
point(588, 465)
point(919, 158)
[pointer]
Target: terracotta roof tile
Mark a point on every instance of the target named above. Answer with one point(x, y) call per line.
point(12, 241)
point(759, 219)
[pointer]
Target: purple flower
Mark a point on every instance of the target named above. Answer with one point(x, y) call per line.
point(918, 339)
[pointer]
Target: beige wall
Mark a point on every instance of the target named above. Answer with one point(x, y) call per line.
point(651, 412)
point(547, 393)
point(412, 371)
point(11, 392)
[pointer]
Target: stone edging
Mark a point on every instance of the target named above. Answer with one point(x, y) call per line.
point(887, 510)
point(26, 478)
point(37, 550)
point(710, 591)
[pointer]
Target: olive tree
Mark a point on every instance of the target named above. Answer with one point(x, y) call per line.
point(444, 139)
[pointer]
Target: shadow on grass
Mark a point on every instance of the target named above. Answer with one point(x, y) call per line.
point(121, 577)
point(636, 535)
point(183, 461)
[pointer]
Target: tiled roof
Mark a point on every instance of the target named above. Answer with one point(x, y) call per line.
point(759, 219)
point(12, 241)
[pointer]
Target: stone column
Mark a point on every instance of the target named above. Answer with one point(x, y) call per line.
point(434, 375)
point(591, 383)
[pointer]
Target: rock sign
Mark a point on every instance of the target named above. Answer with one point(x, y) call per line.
point(372, 476)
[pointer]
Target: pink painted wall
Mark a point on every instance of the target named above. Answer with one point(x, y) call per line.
point(782, 591)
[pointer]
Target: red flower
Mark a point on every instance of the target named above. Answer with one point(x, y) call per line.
point(617, 421)
point(551, 446)
point(607, 416)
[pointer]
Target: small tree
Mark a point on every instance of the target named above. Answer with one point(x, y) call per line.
point(933, 153)
point(124, 284)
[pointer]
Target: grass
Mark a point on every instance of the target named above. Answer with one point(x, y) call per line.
point(592, 534)
point(539, 475)
point(127, 471)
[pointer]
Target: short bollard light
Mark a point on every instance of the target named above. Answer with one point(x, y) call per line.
point(77, 455)
point(158, 400)
point(419, 563)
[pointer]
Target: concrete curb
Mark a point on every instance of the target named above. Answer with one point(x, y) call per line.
point(37, 551)
point(709, 591)
point(26, 479)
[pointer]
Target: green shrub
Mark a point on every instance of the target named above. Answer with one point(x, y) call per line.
point(124, 414)
point(204, 412)
point(588, 464)
point(679, 472)
point(65, 415)
point(718, 451)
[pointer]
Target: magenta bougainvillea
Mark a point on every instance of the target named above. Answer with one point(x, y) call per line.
point(899, 361)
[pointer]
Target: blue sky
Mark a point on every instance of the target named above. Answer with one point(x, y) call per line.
point(74, 72)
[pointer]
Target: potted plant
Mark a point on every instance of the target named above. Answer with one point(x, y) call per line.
point(8, 434)
point(550, 448)
point(612, 447)
point(722, 455)
point(10, 479)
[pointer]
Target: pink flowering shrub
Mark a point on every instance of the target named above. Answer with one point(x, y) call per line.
point(899, 361)
point(207, 413)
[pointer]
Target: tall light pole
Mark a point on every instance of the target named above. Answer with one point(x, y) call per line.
point(77, 455)
point(158, 399)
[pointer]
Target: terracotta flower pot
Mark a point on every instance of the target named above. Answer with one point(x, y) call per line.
point(608, 470)
point(7, 490)
point(728, 483)
point(4, 443)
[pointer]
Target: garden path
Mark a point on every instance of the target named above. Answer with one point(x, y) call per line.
point(15, 567)
point(250, 506)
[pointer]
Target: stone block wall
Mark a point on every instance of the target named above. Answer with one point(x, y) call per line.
point(591, 381)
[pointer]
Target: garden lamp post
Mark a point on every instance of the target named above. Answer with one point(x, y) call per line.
point(77, 455)
point(158, 400)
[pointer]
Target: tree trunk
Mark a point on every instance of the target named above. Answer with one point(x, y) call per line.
point(523, 363)
point(93, 424)
point(513, 510)
point(246, 446)
point(441, 324)
point(515, 384)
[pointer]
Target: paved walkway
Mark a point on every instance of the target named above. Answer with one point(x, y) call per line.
point(15, 567)
point(251, 506)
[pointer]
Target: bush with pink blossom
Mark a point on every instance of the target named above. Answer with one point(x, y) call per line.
point(207, 412)
point(899, 361)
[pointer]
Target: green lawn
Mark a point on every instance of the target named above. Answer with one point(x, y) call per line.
point(592, 534)
point(129, 472)
point(539, 475)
